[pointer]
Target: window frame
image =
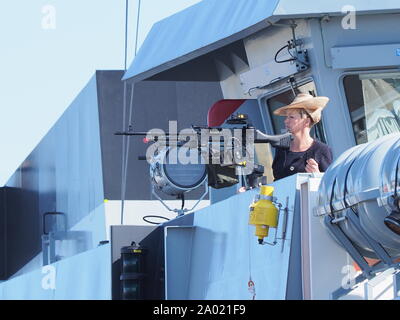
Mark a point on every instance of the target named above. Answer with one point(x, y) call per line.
point(263, 105)
point(342, 92)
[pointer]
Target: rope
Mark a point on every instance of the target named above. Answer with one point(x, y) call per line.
point(126, 32)
point(123, 177)
point(137, 27)
point(395, 196)
point(125, 139)
point(250, 283)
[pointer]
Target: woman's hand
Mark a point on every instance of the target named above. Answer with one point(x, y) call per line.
point(312, 166)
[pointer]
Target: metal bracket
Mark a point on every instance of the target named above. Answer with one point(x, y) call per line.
point(368, 272)
point(284, 223)
point(181, 212)
point(285, 212)
point(348, 245)
point(380, 252)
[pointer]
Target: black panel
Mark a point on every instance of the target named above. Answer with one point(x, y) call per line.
point(203, 68)
point(152, 240)
point(122, 236)
point(3, 235)
point(199, 69)
point(21, 222)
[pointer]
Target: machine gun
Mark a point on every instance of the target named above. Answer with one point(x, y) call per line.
point(226, 152)
point(167, 138)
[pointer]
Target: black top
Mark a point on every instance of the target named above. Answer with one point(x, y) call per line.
point(287, 162)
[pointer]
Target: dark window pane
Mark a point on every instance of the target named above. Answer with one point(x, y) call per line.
point(286, 98)
point(374, 104)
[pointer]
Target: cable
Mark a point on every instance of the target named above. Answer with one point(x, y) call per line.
point(123, 186)
point(123, 175)
point(291, 53)
point(151, 216)
point(125, 155)
point(279, 51)
point(183, 200)
point(323, 44)
point(125, 139)
point(126, 32)
point(137, 27)
point(331, 214)
point(395, 196)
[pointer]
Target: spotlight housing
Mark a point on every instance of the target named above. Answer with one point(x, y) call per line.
point(173, 176)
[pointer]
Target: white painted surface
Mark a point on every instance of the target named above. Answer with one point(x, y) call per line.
point(84, 276)
point(326, 266)
point(379, 288)
point(323, 260)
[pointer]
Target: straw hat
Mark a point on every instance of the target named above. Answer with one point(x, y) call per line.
point(312, 105)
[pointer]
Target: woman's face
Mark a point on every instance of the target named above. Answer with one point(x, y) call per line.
point(295, 122)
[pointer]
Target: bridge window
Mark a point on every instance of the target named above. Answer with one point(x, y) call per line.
point(286, 98)
point(374, 104)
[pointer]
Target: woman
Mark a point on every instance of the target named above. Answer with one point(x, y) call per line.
point(305, 153)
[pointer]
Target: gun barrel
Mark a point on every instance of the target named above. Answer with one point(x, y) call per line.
point(277, 141)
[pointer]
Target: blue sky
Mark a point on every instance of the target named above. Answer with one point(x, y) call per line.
point(49, 49)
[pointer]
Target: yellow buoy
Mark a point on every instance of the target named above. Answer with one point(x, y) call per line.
point(263, 213)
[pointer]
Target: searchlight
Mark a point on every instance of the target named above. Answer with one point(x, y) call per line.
point(176, 171)
point(172, 177)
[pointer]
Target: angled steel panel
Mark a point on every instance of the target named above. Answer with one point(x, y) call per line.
point(202, 28)
point(182, 37)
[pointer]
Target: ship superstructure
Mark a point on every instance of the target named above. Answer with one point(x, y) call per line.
point(248, 57)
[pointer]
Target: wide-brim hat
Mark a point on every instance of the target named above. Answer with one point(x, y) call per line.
point(312, 105)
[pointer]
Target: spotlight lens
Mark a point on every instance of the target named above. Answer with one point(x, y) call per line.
point(186, 175)
point(178, 170)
